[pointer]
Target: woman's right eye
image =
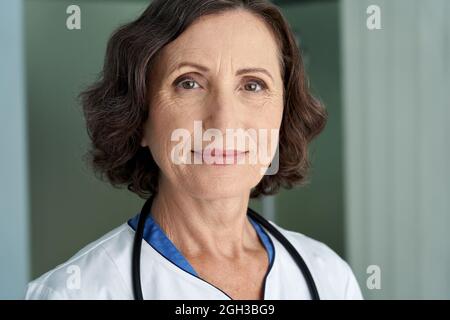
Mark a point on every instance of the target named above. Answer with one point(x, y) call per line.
point(187, 83)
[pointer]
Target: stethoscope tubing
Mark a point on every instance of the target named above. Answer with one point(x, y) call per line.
point(137, 245)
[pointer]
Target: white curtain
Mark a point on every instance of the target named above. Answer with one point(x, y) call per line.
point(397, 140)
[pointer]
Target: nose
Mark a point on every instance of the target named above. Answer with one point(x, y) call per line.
point(223, 110)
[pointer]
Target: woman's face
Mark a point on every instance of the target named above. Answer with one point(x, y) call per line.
point(205, 76)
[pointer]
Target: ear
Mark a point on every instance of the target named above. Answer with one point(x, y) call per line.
point(143, 139)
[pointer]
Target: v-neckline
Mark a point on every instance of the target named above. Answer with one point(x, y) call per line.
point(156, 238)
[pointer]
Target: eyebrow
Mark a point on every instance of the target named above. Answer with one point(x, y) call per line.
point(238, 73)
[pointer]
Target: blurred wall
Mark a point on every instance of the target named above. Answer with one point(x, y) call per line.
point(14, 245)
point(317, 208)
point(69, 206)
point(397, 115)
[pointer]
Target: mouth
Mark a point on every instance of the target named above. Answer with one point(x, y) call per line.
point(220, 157)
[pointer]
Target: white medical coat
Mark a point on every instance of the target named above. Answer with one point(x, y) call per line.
point(102, 270)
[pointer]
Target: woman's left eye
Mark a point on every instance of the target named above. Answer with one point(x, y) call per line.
point(255, 86)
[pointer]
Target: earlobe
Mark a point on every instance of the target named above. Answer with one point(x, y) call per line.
point(143, 142)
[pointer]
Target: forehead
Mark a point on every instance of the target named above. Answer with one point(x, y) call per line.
point(236, 36)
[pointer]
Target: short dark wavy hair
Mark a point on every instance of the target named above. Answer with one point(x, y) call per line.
point(116, 105)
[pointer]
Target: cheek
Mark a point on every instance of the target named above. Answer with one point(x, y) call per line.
point(158, 131)
point(165, 119)
point(269, 123)
point(270, 113)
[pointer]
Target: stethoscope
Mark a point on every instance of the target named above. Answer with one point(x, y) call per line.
point(136, 259)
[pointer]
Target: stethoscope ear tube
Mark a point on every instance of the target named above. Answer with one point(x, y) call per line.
point(292, 251)
point(137, 244)
point(138, 236)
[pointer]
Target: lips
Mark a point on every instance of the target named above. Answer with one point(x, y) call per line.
point(220, 157)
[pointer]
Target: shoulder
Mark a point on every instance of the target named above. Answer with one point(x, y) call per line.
point(95, 272)
point(332, 274)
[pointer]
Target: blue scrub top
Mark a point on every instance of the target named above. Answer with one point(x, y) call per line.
point(155, 236)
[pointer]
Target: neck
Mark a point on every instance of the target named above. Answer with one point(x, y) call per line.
point(216, 227)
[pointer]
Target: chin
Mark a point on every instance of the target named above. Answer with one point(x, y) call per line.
point(219, 187)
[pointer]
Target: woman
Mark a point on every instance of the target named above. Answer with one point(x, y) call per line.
point(217, 66)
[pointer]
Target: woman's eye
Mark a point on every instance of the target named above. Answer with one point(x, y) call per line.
point(187, 84)
point(255, 86)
